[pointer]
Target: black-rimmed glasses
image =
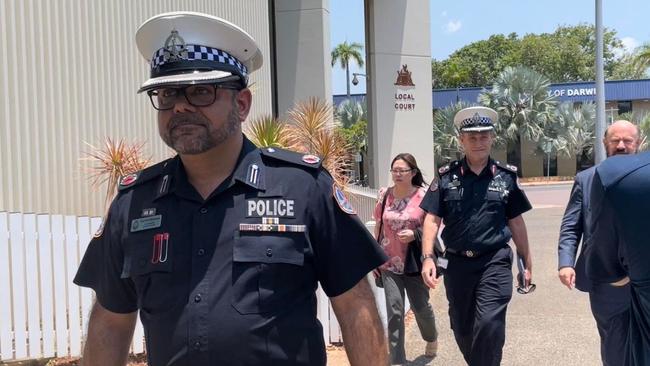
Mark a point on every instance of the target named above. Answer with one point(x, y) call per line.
point(400, 171)
point(201, 95)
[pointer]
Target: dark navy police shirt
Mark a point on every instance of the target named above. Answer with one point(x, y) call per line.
point(229, 280)
point(476, 208)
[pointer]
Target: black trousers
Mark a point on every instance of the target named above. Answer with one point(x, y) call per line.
point(478, 291)
point(611, 308)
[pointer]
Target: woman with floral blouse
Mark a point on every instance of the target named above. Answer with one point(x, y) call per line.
point(401, 226)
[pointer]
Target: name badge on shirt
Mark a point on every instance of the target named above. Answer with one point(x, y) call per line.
point(146, 223)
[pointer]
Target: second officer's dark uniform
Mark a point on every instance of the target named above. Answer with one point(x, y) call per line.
point(478, 279)
point(475, 210)
point(229, 280)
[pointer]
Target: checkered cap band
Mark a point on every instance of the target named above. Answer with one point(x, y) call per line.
point(198, 52)
point(477, 121)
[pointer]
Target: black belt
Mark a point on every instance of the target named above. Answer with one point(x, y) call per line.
point(472, 253)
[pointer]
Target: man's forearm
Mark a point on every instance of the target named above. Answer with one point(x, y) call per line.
point(109, 337)
point(429, 233)
point(363, 334)
point(520, 237)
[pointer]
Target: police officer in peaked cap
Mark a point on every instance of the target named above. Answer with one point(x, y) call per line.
point(222, 247)
point(481, 204)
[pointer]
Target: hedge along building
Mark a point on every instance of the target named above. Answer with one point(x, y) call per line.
point(622, 96)
point(69, 72)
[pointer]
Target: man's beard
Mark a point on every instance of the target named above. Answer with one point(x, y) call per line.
point(204, 138)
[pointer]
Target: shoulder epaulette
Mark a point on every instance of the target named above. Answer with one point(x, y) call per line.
point(306, 160)
point(448, 167)
point(144, 175)
point(506, 166)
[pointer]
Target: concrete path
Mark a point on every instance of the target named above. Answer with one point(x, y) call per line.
point(551, 326)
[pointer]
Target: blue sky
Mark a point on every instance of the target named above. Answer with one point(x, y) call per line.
point(460, 22)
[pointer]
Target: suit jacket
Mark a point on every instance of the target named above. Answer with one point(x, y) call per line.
point(575, 226)
point(620, 242)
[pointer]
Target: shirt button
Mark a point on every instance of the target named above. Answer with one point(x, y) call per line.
point(269, 252)
point(197, 298)
point(203, 210)
point(197, 345)
point(200, 252)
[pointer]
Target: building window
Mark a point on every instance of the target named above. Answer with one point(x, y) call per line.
point(624, 107)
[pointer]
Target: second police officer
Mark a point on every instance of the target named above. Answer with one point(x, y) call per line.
point(481, 204)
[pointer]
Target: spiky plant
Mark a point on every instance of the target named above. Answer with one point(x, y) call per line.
point(306, 119)
point(112, 161)
point(313, 131)
point(266, 131)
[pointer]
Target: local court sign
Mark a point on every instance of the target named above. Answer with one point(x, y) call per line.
point(572, 92)
point(404, 96)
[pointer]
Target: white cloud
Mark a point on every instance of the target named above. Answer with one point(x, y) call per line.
point(453, 26)
point(629, 44)
point(444, 13)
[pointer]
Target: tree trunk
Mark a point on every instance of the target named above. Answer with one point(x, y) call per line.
point(347, 78)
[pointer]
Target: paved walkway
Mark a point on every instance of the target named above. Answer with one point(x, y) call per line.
point(552, 326)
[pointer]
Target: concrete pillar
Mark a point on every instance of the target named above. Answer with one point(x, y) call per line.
point(399, 100)
point(302, 52)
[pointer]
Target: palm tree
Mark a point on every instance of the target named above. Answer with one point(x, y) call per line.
point(574, 131)
point(642, 57)
point(525, 108)
point(445, 135)
point(350, 112)
point(345, 52)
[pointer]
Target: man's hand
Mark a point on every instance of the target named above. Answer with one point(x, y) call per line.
point(429, 272)
point(568, 277)
point(363, 334)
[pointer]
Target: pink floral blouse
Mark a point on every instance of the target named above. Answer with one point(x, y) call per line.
point(399, 214)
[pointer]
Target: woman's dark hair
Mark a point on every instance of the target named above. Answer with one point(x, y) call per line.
point(417, 179)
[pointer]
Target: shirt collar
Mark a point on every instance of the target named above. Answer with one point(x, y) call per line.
point(490, 167)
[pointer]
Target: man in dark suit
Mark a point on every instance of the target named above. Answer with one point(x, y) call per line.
point(609, 304)
point(618, 251)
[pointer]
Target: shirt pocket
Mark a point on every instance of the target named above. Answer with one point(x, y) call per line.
point(149, 264)
point(268, 271)
point(453, 201)
point(495, 203)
